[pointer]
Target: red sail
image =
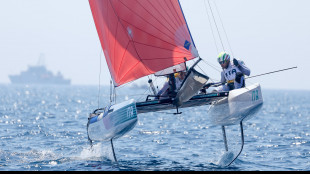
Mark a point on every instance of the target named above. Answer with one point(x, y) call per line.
point(141, 37)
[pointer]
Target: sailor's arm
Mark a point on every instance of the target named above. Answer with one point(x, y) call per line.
point(240, 64)
point(223, 81)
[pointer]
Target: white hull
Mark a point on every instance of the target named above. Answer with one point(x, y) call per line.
point(240, 105)
point(112, 124)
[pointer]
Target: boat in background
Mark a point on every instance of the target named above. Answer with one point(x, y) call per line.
point(38, 74)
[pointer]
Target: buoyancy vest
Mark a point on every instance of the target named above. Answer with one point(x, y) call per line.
point(230, 73)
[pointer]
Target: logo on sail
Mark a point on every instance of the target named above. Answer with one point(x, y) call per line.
point(187, 44)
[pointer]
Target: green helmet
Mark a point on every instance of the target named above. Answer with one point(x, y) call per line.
point(222, 57)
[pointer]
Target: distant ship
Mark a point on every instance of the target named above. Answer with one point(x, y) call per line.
point(38, 75)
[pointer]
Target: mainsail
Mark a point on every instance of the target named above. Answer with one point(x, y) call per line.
point(142, 37)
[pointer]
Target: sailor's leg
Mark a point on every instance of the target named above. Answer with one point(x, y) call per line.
point(218, 89)
point(221, 88)
point(113, 151)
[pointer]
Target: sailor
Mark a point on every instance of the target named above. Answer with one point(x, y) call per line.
point(232, 76)
point(166, 89)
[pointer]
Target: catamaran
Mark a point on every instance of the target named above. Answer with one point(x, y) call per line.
point(151, 38)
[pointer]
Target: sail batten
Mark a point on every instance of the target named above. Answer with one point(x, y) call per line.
point(177, 17)
point(167, 15)
point(122, 59)
point(130, 40)
point(168, 24)
point(181, 49)
point(167, 28)
point(130, 70)
point(141, 37)
point(161, 39)
point(146, 20)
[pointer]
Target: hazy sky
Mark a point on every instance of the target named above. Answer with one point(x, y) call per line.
point(267, 35)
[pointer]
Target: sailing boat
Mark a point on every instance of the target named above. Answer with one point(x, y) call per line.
point(141, 38)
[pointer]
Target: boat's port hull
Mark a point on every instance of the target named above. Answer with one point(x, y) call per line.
point(113, 123)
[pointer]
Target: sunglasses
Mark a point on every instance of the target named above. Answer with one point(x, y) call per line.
point(222, 62)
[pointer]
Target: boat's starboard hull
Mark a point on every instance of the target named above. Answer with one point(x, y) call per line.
point(240, 105)
point(114, 122)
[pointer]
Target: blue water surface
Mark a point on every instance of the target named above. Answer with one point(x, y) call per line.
point(44, 128)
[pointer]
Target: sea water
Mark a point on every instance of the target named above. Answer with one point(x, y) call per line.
point(44, 128)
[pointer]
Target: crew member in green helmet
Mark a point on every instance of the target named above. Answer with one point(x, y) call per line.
point(232, 76)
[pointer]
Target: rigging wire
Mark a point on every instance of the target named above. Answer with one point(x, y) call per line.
point(216, 26)
point(212, 66)
point(114, 93)
point(205, 73)
point(126, 85)
point(99, 80)
point(149, 88)
point(213, 34)
point(223, 27)
point(211, 26)
point(218, 13)
point(110, 91)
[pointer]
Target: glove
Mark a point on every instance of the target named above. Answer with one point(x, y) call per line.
point(238, 77)
point(236, 63)
point(203, 91)
point(207, 86)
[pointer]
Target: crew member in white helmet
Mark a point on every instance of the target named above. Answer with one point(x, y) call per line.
point(232, 76)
